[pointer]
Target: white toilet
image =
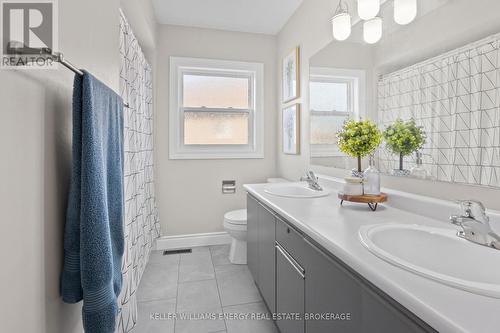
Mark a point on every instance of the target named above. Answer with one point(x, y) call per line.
point(235, 223)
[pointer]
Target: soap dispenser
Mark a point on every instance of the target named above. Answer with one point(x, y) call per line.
point(418, 171)
point(372, 178)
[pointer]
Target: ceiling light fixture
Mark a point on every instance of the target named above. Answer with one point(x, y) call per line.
point(405, 11)
point(368, 9)
point(372, 30)
point(341, 22)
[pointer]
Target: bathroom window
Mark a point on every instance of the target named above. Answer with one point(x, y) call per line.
point(334, 97)
point(216, 109)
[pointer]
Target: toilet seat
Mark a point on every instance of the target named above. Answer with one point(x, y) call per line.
point(236, 217)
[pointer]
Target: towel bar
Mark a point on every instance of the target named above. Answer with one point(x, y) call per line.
point(18, 48)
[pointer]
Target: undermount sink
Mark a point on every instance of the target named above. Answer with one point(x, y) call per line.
point(294, 190)
point(437, 254)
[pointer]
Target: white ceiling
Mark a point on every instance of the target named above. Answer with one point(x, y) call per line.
point(258, 16)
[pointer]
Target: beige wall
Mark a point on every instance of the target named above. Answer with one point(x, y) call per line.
point(454, 24)
point(35, 140)
point(189, 191)
point(310, 29)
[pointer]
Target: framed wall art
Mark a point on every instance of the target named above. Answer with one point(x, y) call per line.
point(291, 129)
point(291, 75)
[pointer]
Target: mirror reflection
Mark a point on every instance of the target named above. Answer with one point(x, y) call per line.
point(337, 92)
point(436, 112)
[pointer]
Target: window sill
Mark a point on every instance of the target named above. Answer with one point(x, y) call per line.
point(214, 156)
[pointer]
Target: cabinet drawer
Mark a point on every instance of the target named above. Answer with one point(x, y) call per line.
point(291, 240)
point(289, 292)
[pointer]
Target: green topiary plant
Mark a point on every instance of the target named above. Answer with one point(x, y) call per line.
point(404, 138)
point(359, 138)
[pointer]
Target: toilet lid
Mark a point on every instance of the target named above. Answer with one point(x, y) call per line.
point(236, 216)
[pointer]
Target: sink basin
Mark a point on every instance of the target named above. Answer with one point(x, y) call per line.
point(437, 254)
point(295, 190)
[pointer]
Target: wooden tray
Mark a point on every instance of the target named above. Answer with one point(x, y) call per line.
point(371, 200)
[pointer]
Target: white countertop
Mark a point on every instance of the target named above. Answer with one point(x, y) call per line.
point(446, 309)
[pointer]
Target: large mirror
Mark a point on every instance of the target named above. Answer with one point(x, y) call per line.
point(450, 95)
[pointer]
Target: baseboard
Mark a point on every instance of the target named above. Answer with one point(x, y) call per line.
point(193, 240)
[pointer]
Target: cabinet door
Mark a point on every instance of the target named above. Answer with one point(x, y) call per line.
point(380, 316)
point(289, 293)
point(330, 289)
point(253, 209)
point(267, 255)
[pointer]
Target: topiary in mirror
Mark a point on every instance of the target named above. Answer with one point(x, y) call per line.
point(404, 138)
point(358, 138)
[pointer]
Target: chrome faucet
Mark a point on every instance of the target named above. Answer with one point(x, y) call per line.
point(312, 181)
point(475, 224)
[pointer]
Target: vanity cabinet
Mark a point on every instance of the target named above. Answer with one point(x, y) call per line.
point(306, 279)
point(261, 255)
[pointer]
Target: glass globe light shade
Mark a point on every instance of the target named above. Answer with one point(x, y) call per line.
point(372, 30)
point(405, 11)
point(368, 9)
point(341, 26)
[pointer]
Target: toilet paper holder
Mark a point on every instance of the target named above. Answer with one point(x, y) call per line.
point(228, 186)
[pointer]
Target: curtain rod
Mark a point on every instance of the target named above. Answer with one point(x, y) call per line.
point(18, 49)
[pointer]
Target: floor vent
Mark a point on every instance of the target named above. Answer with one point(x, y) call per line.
point(168, 252)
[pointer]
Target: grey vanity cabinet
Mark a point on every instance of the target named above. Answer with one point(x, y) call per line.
point(295, 275)
point(261, 256)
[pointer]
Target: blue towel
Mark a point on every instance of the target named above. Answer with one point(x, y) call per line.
point(93, 236)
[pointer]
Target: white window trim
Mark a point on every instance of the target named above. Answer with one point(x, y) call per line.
point(359, 92)
point(358, 100)
point(255, 148)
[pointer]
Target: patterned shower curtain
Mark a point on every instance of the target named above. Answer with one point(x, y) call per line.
point(142, 225)
point(456, 98)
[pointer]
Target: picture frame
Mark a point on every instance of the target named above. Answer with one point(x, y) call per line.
point(291, 76)
point(291, 129)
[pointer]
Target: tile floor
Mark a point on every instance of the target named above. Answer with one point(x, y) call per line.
point(201, 282)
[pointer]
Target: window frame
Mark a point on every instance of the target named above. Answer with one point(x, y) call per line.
point(356, 80)
point(180, 66)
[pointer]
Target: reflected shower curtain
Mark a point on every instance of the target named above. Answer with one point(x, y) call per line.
point(141, 221)
point(456, 98)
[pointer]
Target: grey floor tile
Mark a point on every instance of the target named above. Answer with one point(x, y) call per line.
point(152, 317)
point(199, 326)
point(196, 266)
point(157, 257)
point(158, 282)
point(252, 310)
point(196, 298)
point(236, 285)
point(220, 255)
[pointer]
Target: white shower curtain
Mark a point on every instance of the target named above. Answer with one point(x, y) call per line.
point(141, 215)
